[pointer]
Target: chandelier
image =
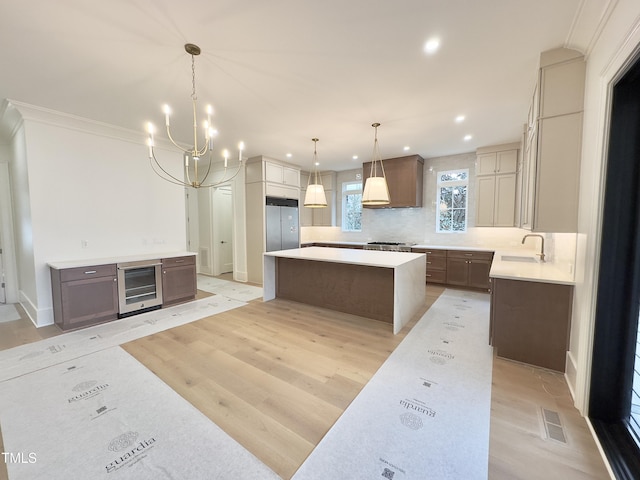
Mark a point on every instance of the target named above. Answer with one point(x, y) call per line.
point(376, 191)
point(196, 170)
point(315, 197)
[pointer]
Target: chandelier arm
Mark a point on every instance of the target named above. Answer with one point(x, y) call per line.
point(223, 181)
point(174, 142)
point(208, 170)
point(172, 179)
point(204, 150)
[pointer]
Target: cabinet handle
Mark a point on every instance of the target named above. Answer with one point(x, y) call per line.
point(428, 263)
point(468, 254)
point(429, 275)
point(89, 272)
point(180, 261)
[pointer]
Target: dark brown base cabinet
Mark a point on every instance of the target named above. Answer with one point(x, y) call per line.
point(530, 322)
point(87, 296)
point(436, 264)
point(460, 268)
point(179, 281)
point(469, 268)
point(84, 296)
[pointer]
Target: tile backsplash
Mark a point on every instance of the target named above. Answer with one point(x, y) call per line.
point(418, 225)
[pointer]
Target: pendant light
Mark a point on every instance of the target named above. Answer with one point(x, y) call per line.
point(376, 191)
point(315, 197)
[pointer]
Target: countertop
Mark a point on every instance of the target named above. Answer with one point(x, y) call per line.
point(453, 247)
point(536, 271)
point(120, 259)
point(373, 258)
point(546, 272)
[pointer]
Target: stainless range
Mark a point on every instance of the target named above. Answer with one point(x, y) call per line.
point(388, 246)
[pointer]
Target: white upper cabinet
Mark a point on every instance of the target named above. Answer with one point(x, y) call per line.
point(492, 163)
point(553, 146)
point(496, 182)
point(276, 173)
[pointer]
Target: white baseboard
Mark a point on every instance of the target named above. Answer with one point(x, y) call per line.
point(39, 317)
point(571, 374)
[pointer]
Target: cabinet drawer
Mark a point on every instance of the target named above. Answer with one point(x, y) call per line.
point(436, 276)
point(470, 254)
point(430, 252)
point(436, 263)
point(179, 261)
point(80, 273)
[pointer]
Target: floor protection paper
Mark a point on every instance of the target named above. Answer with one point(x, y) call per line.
point(425, 414)
point(105, 416)
point(234, 290)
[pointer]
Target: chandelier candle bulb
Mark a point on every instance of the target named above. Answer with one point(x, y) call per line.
point(240, 148)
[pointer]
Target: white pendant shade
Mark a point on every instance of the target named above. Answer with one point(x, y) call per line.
point(315, 197)
point(375, 191)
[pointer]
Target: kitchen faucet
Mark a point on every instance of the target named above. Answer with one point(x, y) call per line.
point(541, 254)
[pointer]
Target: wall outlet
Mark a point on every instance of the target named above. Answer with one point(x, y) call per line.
point(84, 243)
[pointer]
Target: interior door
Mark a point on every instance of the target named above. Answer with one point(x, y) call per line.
point(223, 230)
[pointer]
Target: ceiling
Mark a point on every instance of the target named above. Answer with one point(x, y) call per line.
point(281, 72)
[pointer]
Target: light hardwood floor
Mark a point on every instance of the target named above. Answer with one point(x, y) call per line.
point(277, 375)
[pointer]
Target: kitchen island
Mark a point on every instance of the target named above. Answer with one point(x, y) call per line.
point(386, 286)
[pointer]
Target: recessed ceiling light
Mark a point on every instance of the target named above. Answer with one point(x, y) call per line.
point(407, 148)
point(289, 155)
point(460, 119)
point(355, 157)
point(468, 137)
point(432, 45)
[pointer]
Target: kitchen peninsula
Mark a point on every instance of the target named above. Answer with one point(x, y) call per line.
point(386, 286)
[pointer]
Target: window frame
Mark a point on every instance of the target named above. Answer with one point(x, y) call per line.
point(345, 193)
point(440, 184)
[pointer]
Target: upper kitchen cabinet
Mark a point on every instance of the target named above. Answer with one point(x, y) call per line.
point(496, 177)
point(404, 178)
point(553, 144)
point(280, 178)
point(319, 217)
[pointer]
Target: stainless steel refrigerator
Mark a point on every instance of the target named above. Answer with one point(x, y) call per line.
point(282, 224)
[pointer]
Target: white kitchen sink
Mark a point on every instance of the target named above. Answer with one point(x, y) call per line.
point(518, 258)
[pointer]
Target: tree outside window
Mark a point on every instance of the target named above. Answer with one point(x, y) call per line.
point(451, 214)
point(352, 206)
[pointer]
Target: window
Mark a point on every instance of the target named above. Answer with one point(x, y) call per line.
point(352, 206)
point(451, 214)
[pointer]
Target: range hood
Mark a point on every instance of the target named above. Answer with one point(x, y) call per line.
point(404, 179)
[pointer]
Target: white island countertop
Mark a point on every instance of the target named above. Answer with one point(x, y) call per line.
point(372, 258)
point(532, 271)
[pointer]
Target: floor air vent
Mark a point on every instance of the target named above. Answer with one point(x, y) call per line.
point(553, 426)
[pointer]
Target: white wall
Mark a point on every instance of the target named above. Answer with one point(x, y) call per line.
point(609, 52)
point(85, 190)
